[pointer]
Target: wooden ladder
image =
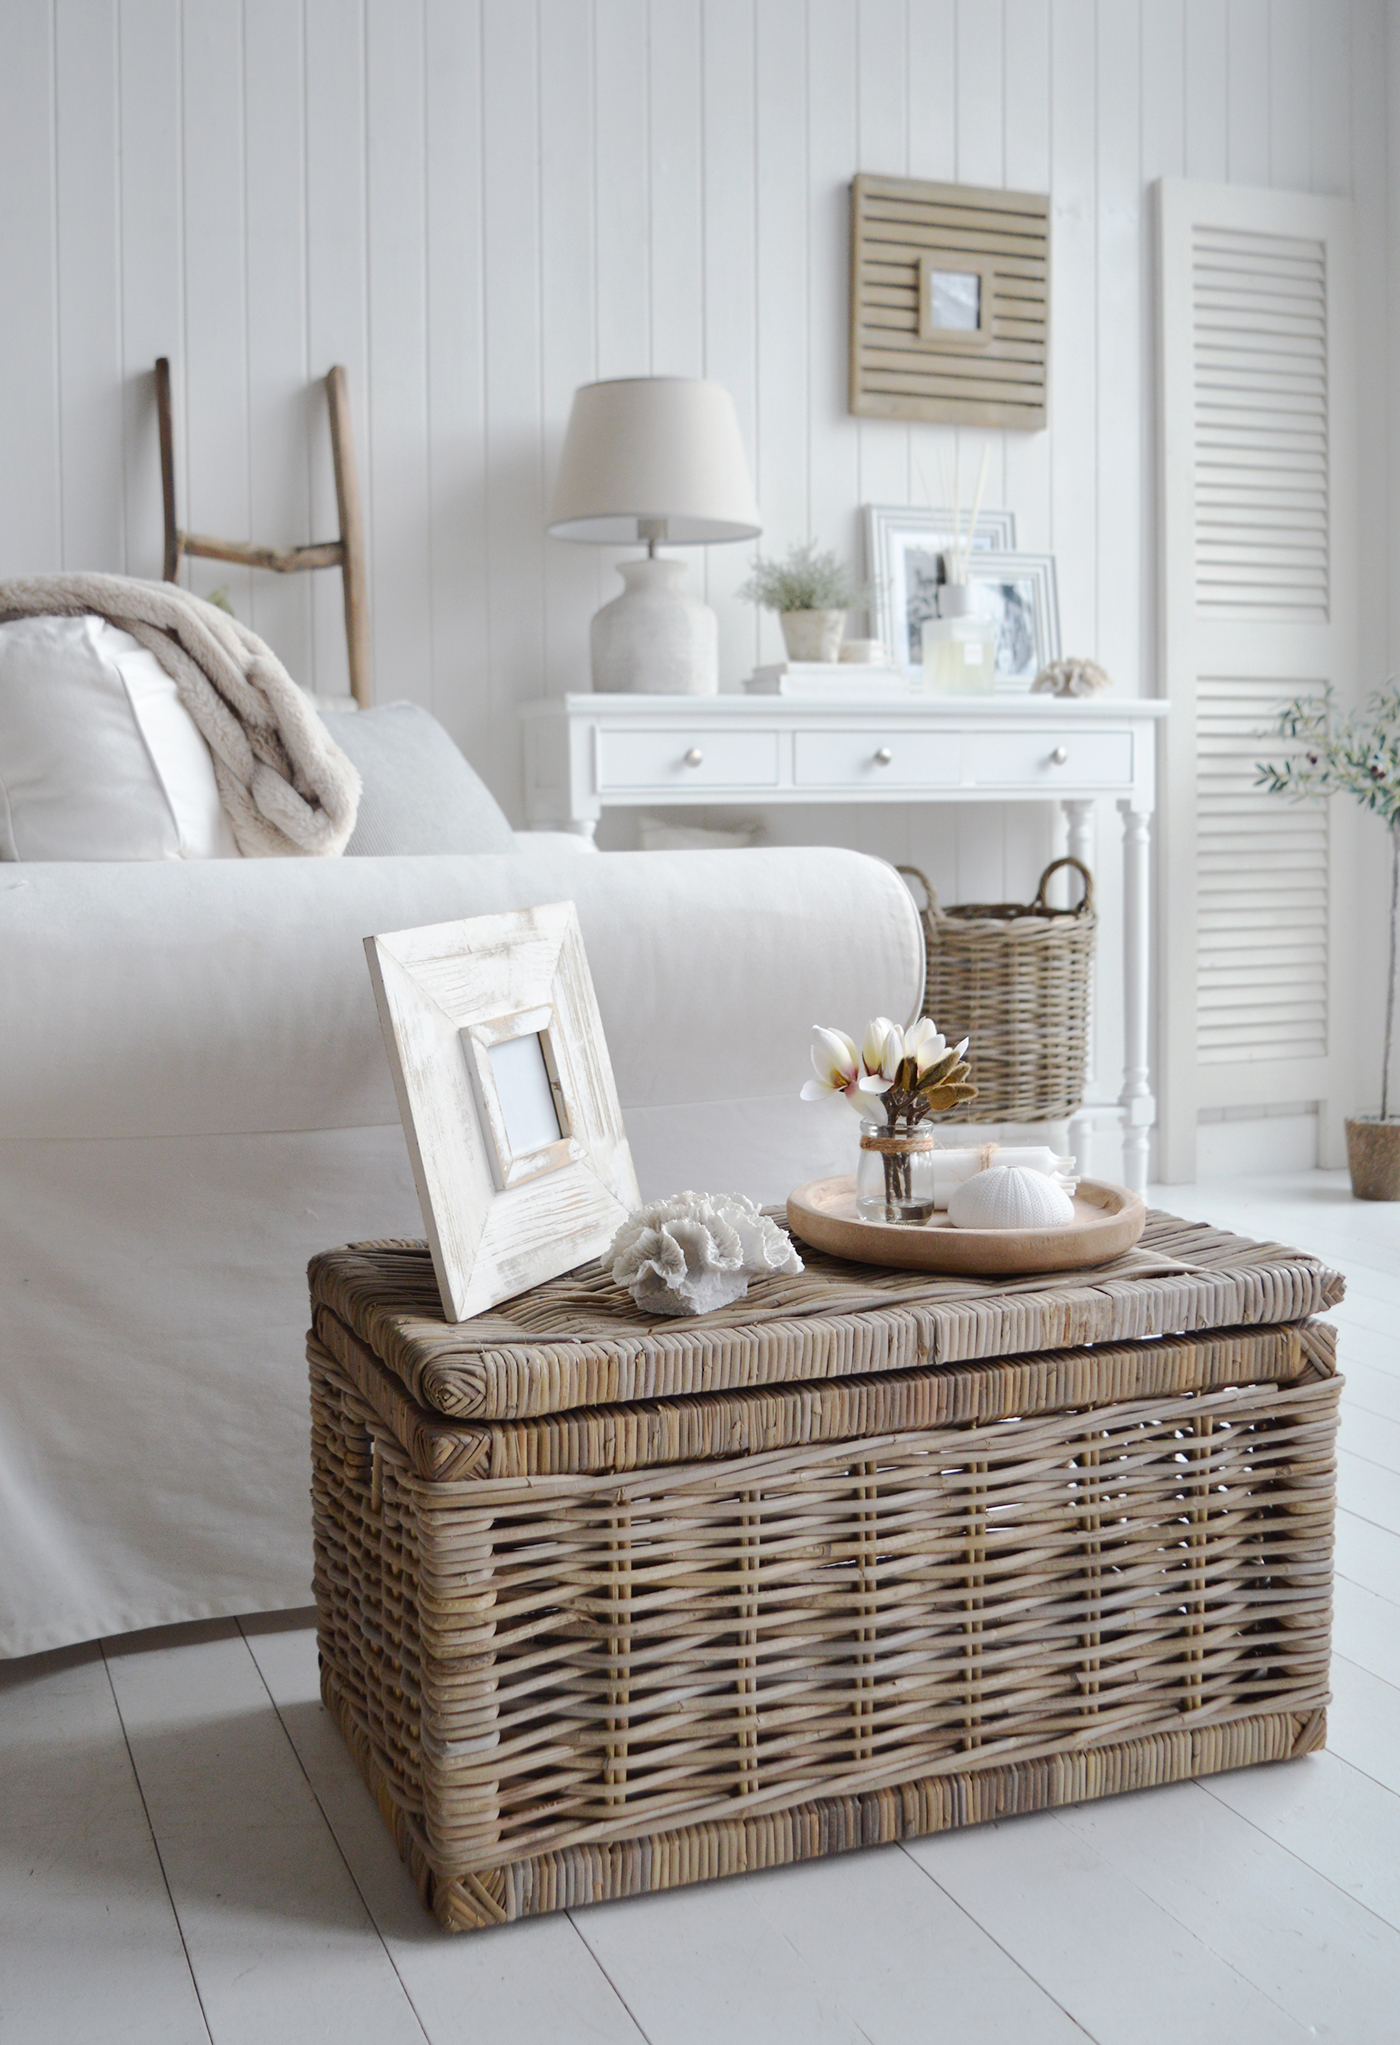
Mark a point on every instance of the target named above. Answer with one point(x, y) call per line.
point(347, 553)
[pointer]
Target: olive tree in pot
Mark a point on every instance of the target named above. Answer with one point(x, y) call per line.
point(811, 593)
point(1356, 755)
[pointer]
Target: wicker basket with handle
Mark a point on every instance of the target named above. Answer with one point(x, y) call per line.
point(1014, 977)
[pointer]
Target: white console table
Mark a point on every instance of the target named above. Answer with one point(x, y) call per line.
point(585, 754)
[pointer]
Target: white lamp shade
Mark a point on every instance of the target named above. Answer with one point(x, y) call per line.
point(650, 449)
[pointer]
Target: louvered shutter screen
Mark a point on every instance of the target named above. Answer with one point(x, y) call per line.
point(1263, 880)
point(1257, 536)
point(1260, 425)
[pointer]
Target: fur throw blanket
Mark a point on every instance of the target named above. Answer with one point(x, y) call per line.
point(285, 783)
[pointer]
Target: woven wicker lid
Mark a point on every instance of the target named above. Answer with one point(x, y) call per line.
point(579, 1341)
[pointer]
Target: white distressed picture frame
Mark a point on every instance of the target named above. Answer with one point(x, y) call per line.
point(998, 580)
point(448, 994)
point(895, 531)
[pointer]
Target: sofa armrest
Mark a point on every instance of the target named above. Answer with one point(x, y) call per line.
point(230, 996)
point(568, 842)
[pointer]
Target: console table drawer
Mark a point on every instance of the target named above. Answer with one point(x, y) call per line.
point(874, 759)
point(677, 758)
point(1021, 759)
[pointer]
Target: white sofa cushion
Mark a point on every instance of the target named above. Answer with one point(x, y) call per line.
point(99, 759)
point(419, 793)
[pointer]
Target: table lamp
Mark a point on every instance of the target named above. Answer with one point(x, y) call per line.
point(656, 459)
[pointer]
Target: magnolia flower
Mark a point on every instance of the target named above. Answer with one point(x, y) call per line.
point(924, 1043)
point(841, 1069)
point(915, 1069)
point(881, 1054)
point(836, 1062)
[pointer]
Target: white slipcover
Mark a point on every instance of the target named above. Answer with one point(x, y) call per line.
point(194, 1098)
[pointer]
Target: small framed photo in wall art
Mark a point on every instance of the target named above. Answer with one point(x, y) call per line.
point(955, 301)
point(506, 1091)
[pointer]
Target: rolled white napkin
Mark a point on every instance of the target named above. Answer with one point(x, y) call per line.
point(951, 1167)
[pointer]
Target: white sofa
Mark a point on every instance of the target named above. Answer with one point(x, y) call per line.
point(194, 1098)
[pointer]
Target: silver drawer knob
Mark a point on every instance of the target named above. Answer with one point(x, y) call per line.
point(695, 758)
point(1058, 757)
point(883, 756)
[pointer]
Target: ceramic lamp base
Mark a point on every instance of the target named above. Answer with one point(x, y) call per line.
point(655, 637)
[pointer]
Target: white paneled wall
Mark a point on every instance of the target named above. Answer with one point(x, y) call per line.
point(476, 205)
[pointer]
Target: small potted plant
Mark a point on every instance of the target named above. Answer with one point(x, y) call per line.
point(811, 593)
point(1357, 755)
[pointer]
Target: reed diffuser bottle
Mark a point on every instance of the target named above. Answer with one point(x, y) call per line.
point(960, 648)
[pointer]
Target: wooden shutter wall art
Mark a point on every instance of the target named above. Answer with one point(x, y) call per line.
point(905, 364)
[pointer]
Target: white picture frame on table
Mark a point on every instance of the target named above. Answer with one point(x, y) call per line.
point(903, 548)
point(1018, 592)
point(506, 1091)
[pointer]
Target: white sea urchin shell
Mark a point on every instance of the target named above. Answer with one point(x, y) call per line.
point(1008, 1196)
point(695, 1252)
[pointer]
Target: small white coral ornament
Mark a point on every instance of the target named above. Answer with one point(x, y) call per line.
point(1009, 1196)
point(1071, 678)
point(694, 1252)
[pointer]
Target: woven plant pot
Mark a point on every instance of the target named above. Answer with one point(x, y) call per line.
point(1373, 1152)
point(1014, 978)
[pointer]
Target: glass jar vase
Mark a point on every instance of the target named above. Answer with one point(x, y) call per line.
point(894, 1175)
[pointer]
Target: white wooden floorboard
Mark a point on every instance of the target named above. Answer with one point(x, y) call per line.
point(1123, 1966)
point(281, 1946)
point(1360, 1310)
point(888, 1944)
point(1371, 1437)
point(1368, 1491)
point(1368, 1389)
point(701, 1965)
point(1335, 1819)
point(1366, 1629)
point(1368, 1284)
point(1363, 1723)
point(1363, 1345)
point(524, 1984)
point(1368, 1555)
point(1312, 1950)
point(79, 1873)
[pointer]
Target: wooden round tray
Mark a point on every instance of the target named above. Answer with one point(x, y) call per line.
point(1107, 1220)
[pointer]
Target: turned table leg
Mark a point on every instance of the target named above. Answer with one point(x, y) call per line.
point(1079, 825)
point(1139, 1108)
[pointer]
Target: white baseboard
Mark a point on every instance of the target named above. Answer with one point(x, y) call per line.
point(1268, 1143)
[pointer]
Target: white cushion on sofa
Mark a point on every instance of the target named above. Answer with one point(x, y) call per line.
point(99, 759)
point(419, 793)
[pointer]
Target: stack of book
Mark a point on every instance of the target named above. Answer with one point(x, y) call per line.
point(829, 680)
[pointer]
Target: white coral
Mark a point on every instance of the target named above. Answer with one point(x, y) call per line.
point(1073, 677)
point(696, 1251)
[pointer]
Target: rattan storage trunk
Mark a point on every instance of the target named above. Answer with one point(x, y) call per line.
point(607, 1606)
